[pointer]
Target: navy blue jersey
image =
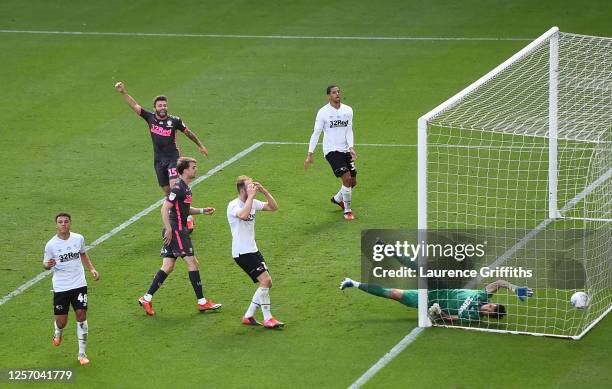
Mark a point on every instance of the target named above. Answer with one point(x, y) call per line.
point(180, 198)
point(163, 135)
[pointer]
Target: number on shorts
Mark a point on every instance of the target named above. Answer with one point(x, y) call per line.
point(82, 298)
point(172, 172)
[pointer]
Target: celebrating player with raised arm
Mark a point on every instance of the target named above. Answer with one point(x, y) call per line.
point(336, 121)
point(177, 242)
point(241, 218)
point(65, 253)
point(162, 128)
point(468, 305)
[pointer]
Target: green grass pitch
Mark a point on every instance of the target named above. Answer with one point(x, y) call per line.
point(69, 142)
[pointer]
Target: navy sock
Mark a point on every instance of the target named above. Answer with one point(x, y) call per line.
point(194, 277)
point(158, 280)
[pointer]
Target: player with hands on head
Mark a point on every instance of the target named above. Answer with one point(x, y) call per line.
point(241, 213)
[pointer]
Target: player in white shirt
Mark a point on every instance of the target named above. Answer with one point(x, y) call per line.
point(335, 120)
point(65, 253)
point(241, 218)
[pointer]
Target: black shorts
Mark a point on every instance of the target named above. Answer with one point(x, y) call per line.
point(63, 300)
point(165, 170)
point(253, 264)
point(180, 246)
point(341, 163)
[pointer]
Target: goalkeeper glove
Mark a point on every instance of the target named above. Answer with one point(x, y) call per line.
point(434, 311)
point(523, 292)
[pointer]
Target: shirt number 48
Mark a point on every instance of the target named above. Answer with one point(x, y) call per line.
point(82, 297)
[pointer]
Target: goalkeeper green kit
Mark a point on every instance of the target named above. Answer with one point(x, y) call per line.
point(464, 303)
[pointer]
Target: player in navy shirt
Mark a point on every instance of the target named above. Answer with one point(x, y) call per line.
point(179, 200)
point(163, 128)
point(177, 242)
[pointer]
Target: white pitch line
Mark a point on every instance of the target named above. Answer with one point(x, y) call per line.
point(388, 357)
point(356, 144)
point(130, 221)
point(242, 36)
point(415, 145)
point(226, 163)
point(25, 286)
point(383, 145)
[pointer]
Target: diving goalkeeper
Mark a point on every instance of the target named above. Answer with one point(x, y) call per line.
point(466, 305)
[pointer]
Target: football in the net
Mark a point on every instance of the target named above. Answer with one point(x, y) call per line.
point(580, 300)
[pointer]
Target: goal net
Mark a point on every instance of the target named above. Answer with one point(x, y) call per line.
point(522, 161)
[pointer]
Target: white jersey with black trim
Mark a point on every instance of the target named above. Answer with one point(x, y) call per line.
point(68, 272)
point(337, 128)
point(243, 231)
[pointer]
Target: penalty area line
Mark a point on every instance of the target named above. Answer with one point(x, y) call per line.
point(388, 357)
point(244, 36)
point(131, 220)
point(356, 144)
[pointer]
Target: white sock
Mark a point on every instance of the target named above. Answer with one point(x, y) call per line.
point(148, 297)
point(202, 301)
point(82, 330)
point(356, 283)
point(347, 195)
point(338, 196)
point(264, 298)
point(58, 331)
point(254, 304)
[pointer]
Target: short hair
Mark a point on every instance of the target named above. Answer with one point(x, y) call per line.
point(65, 214)
point(329, 88)
point(159, 98)
point(183, 163)
point(240, 182)
point(500, 311)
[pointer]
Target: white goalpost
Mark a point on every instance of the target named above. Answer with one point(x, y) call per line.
point(522, 160)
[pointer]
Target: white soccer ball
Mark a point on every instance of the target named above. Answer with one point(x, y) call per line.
point(580, 300)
